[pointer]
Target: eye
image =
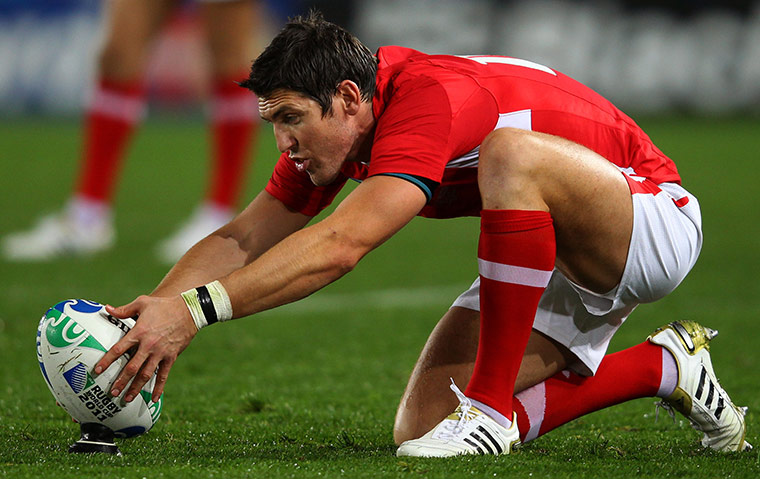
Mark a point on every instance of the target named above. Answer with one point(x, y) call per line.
point(290, 119)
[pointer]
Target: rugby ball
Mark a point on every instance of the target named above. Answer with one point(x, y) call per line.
point(71, 338)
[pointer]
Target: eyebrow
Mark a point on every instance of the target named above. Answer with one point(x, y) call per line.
point(279, 112)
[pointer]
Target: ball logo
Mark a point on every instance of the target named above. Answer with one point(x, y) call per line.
point(62, 332)
point(78, 378)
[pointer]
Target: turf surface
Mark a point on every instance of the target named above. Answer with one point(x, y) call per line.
point(311, 390)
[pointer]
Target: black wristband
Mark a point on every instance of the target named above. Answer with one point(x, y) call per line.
point(204, 298)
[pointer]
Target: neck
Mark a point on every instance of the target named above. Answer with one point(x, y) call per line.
point(364, 139)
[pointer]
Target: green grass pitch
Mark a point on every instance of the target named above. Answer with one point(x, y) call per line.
point(310, 390)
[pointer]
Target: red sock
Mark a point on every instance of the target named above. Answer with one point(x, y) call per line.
point(515, 257)
point(234, 114)
point(629, 374)
point(111, 117)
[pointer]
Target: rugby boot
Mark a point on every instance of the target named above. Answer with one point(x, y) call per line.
point(205, 220)
point(699, 396)
point(58, 235)
point(466, 431)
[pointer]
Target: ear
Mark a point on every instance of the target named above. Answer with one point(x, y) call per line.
point(349, 96)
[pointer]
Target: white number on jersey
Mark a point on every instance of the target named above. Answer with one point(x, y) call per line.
point(485, 60)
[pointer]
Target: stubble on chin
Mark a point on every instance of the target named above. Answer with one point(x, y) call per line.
point(323, 181)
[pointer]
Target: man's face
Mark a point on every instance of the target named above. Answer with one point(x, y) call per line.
point(318, 145)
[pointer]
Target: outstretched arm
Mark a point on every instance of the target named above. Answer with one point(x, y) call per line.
point(318, 255)
point(295, 267)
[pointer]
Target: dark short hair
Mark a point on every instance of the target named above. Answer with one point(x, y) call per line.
point(312, 56)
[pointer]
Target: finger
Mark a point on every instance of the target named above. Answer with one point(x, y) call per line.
point(123, 312)
point(161, 376)
point(116, 351)
point(143, 376)
point(129, 371)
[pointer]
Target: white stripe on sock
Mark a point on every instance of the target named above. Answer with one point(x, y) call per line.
point(507, 273)
point(533, 401)
point(116, 105)
point(235, 108)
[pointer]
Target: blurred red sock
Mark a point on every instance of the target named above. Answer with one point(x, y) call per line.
point(234, 121)
point(111, 117)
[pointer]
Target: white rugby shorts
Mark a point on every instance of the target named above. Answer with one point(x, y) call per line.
point(665, 243)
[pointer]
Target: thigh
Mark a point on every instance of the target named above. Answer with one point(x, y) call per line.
point(231, 28)
point(587, 196)
point(449, 353)
point(131, 26)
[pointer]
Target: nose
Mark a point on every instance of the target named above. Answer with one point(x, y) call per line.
point(285, 141)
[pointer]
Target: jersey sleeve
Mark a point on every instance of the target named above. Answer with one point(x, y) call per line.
point(411, 137)
point(426, 122)
point(295, 189)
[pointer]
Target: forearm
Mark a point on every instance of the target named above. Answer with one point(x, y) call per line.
point(320, 254)
point(309, 259)
point(213, 257)
point(296, 267)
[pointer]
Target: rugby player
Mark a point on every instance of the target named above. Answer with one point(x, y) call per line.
point(582, 219)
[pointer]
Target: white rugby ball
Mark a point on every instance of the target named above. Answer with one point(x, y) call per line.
point(71, 338)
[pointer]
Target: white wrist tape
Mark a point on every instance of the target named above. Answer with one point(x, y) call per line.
point(208, 304)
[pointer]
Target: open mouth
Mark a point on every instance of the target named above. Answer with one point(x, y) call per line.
point(301, 163)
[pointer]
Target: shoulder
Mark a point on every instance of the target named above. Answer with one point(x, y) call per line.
point(410, 77)
point(393, 54)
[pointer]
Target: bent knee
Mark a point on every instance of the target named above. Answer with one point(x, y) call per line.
point(412, 419)
point(509, 154)
point(404, 431)
point(120, 62)
point(504, 148)
point(509, 169)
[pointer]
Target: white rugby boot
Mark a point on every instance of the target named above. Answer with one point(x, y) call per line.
point(61, 234)
point(699, 395)
point(466, 431)
point(205, 220)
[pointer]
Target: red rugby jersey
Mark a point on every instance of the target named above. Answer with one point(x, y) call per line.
point(433, 112)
